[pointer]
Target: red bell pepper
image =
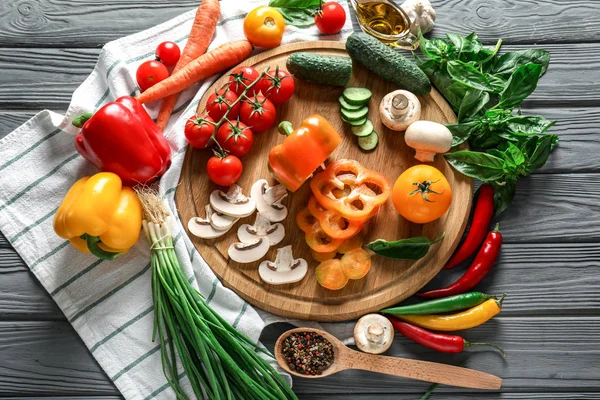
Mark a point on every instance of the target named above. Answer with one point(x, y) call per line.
point(122, 138)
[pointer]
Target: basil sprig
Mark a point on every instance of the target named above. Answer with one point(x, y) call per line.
point(404, 249)
point(484, 89)
point(300, 13)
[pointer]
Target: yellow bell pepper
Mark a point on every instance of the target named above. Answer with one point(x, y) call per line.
point(470, 318)
point(100, 216)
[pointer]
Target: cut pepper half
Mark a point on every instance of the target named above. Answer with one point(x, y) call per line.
point(350, 189)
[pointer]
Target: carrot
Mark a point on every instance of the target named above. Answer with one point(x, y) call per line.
point(201, 34)
point(213, 62)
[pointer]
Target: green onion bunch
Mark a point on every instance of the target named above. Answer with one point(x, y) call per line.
point(219, 362)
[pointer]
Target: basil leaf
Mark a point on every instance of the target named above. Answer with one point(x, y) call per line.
point(520, 85)
point(461, 132)
point(472, 103)
point(449, 89)
point(513, 156)
point(435, 49)
point(404, 249)
point(478, 165)
point(295, 3)
point(540, 154)
point(497, 83)
point(503, 195)
point(468, 75)
point(297, 17)
point(528, 125)
point(508, 63)
point(491, 53)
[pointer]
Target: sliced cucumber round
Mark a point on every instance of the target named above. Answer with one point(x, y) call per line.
point(357, 96)
point(355, 115)
point(355, 123)
point(347, 106)
point(368, 142)
point(363, 130)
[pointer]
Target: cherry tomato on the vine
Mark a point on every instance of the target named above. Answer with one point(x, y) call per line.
point(242, 76)
point(149, 73)
point(278, 86)
point(218, 103)
point(330, 18)
point(224, 171)
point(264, 27)
point(235, 137)
point(168, 53)
point(198, 131)
point(258, 113)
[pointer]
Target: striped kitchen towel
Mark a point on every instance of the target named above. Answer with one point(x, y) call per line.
point(109, 303)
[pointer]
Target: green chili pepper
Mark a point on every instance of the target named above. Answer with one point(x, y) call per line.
point(404, 249)
point(446, 304)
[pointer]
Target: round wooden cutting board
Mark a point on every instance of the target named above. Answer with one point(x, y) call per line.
point(389, 281)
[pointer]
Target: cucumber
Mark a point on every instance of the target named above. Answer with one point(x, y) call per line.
point(368, 142)
point(347, 106)
point(363, 130)
point(357, 96)
point(355, 115)
point(387, 63)
point(355, 123)
point(326, 70)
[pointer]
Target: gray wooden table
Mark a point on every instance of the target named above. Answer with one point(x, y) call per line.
point(549, 266)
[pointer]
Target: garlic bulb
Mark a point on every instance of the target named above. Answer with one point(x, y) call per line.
point(421, 14)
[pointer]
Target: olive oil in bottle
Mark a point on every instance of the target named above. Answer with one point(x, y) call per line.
point(382, 17)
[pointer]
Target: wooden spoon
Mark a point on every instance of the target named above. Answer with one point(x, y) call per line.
point(346, 358)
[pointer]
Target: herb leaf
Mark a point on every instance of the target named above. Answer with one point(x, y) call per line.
point(404, 249)
point(461, 132)
point(468, 75)
point(472, 103)
point(482, 166)
point(508, 63)
point(298, 13)
point(542, 150)
point(520, 85)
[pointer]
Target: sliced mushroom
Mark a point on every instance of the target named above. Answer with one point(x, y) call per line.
point(262, 228)
point(268, 200)
point(399, 109)
point(202, 227)
point(285, 269)
point(373, 333)
point(248, 252)
point(232, 203)
point(222, 222)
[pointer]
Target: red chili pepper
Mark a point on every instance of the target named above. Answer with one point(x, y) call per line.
point(482, 264)
point(122, 138)
point(436, 341)
point(484, 211)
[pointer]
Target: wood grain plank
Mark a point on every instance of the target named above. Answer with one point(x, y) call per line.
point(527, 272)
point(576, 128)
point(39, 78)
point(48, 358)
point(31, 23)
point(544, 354)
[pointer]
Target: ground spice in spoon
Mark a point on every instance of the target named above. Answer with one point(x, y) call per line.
point(307, 353)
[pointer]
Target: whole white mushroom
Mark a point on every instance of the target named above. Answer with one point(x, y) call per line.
point(428, 138)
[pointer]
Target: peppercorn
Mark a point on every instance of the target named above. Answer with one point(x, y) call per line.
point(307, 353)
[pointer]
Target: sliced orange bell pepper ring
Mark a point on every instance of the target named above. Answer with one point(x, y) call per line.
point(332, 222)
point(350, 189)
point(315, 237)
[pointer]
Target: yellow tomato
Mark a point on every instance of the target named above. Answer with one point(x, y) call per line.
point(264, 27)
point(422, 194)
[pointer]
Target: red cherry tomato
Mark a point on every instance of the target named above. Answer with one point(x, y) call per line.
point(235, 137)
point(150, 73)
point(218, 103)
point(242, 76)
point(330, 18)
point(224, 171)
point(277, 86)
point(198, 131)
point(168, 53)
point(258, 113)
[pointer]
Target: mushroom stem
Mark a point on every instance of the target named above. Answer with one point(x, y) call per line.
point(375, 332)
point(425, 156)
point(400, 106)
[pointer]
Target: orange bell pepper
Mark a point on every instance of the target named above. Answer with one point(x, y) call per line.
point(301, 153)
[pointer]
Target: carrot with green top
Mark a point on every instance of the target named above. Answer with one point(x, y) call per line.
point(213, 62)
point(201, 34)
